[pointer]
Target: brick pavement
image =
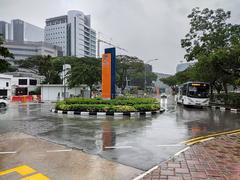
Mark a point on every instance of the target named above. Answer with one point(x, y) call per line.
point(216, 159)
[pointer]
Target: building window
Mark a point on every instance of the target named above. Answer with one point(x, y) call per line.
point(22, 82)
point(7, 84)
point(33, 82)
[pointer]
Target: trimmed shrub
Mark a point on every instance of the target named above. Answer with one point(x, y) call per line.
point(114, 105)
point(121, 109)
point(147, 107)
point(118, 101)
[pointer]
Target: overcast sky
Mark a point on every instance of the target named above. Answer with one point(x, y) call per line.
point(148, 29)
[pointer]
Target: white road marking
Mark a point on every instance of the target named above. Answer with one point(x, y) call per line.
point(179, 152)
point(10, 152)
point(145, 173)
point(118, 147)
point(59, 150)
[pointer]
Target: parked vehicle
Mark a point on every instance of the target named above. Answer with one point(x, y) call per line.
point(3, 103)
point(193, 94)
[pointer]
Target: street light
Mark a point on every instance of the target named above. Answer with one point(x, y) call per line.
point(145, 72)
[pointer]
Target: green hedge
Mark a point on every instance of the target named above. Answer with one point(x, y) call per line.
point(115, 105)
point(231, 99)
point(118, 101)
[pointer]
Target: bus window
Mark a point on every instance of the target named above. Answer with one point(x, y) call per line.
point(198, 90)
point(184, 90)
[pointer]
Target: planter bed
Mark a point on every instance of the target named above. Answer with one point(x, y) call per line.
point(81, 113)
point(114, 107)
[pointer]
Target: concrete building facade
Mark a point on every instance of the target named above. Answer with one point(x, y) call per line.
point(19, 83)
point(26, 49)
point(19, 31)
point(73, 33)
point(5, 85)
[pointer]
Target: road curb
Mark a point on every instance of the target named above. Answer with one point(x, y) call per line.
point(117, 114)
point(221, 108)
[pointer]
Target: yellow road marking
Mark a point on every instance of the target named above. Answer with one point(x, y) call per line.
point(25, 170)
point(235, 133)
point(22, 170)
point(201, 140)
point(211, 135)
point(36, 177)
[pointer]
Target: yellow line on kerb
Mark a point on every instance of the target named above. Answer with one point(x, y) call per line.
point(199, 141)
point(190, 141)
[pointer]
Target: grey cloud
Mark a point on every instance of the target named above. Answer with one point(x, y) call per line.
point(146, 28)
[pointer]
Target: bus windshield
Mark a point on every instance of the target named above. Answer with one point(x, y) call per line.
point(198, 90)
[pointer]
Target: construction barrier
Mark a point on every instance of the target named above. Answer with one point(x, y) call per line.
point(23, 99)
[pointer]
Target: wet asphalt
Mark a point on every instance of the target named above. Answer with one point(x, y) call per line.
point(139, 142)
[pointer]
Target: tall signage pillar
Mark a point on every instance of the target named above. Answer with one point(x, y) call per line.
point(109, 74)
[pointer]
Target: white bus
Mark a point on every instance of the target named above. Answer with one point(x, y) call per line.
point(193, 94)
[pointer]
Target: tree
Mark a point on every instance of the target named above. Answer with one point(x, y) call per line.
point(215, 44)
point(4, 66)
point(180, 77)
point(4, 52)
point(51, 67)
point(85, 71)
point(44, 66)
point(132, 68)
point(125, 66)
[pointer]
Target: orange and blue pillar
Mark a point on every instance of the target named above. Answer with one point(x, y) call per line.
point(109, 74)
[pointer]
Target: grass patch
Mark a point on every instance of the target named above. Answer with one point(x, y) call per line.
point(113, 105)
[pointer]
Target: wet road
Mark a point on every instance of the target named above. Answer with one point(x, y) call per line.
point(138, 142)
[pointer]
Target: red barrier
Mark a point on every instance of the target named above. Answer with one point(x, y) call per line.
point(33, 98)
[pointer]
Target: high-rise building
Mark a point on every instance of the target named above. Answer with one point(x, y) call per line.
point(19, 31)
point(73, 33)
point(183, 66)
point(5, 30)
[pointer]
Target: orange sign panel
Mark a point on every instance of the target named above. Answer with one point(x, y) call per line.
point(106, 76)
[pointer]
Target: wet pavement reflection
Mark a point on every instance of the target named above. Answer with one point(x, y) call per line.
point(140, 142)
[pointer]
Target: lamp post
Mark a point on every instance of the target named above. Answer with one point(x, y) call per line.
point(145, 73)
point(64, 81)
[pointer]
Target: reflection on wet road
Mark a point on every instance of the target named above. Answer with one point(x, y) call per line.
point(139, 142)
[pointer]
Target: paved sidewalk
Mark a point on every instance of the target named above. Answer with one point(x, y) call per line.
point(29, 158)
point(216, 159)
